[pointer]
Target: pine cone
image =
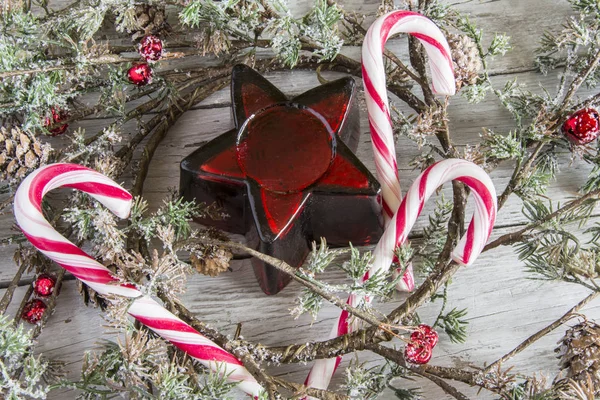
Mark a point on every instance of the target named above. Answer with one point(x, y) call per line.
point(150, 20)
point(465, 57)
point(579, 352)
point(20, 153)
point(212, 261)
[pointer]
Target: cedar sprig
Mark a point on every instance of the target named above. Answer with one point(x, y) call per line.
point(369, 382)
point(20, 377)
point(454, 324)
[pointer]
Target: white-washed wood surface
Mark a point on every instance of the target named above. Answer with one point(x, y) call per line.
point(504, 306)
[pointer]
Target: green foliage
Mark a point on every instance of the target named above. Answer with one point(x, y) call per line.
point(551, 252)
point(435, 235)
point(522, 104)
point(530, 390)
point(232, 16)
point(454, 325)
point(500, 45)
point(174, 212)
point(502, 147)
point(248, 21)
point(320, 25)
point(307, 302)
point(140, 368)
point(535, 183)
point(476, 93)
point(358, 265)
point(471, 30)
point(366, 383)
point(593, 180)
point(320, 258)
point(379, 283)
point(588, 7)
point(21, 374)
point(439, 12)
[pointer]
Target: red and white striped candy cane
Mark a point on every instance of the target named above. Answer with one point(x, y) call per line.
point(466, 251)
point(374, 77)
point(374, 80)
point(28, 212)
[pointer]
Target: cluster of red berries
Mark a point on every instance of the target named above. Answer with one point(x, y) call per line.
point(582, 127)
point(34, 310)
point(151, 50)
point(420, 347)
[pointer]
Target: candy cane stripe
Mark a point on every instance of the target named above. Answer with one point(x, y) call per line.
point(28, 213)
point(468, 248)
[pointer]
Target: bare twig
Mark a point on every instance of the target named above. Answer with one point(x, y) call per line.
point(161, 130)
point(543, 332)
point(289, 270)
point(8, 295)
point(446, 387)
point(578, 81)
point(513, 237)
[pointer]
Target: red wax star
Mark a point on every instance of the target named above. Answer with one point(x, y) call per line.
point(285, 175)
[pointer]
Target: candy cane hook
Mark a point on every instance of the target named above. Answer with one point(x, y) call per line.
point(380, 121)
point(28, 212)
point(374, 80)
point(465, 253)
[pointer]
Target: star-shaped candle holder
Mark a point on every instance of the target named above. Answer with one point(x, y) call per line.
point(286, 175)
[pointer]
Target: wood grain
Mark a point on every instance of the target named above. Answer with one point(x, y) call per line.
point(504, 306)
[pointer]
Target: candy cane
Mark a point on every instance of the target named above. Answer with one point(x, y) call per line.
point(28, 212)
point(374, 77)
point(466, 251)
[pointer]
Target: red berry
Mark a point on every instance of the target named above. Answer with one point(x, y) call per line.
point(582, 127)
point(425, 333)
point(418, 353)
point(33, 311)
point(151, 48)
point(44, 285)
point(57, 117)
point(140, 74)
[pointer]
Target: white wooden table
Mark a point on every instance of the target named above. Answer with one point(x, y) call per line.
point(503, 306)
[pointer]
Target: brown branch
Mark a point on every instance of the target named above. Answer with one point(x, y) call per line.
point(10, 290)
point(513, 237)
point(357, 340)
point(361, 338)
point(543, 332)
point(161, 130)
point(289, 270)
point(518, 175)
point(22, 305)
point(239, 348)
point(300, 391)
point(445, 386)
point(51, 303)
point(472, 378)
point(99, 61)
point(578, 81)
point(417, 60)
